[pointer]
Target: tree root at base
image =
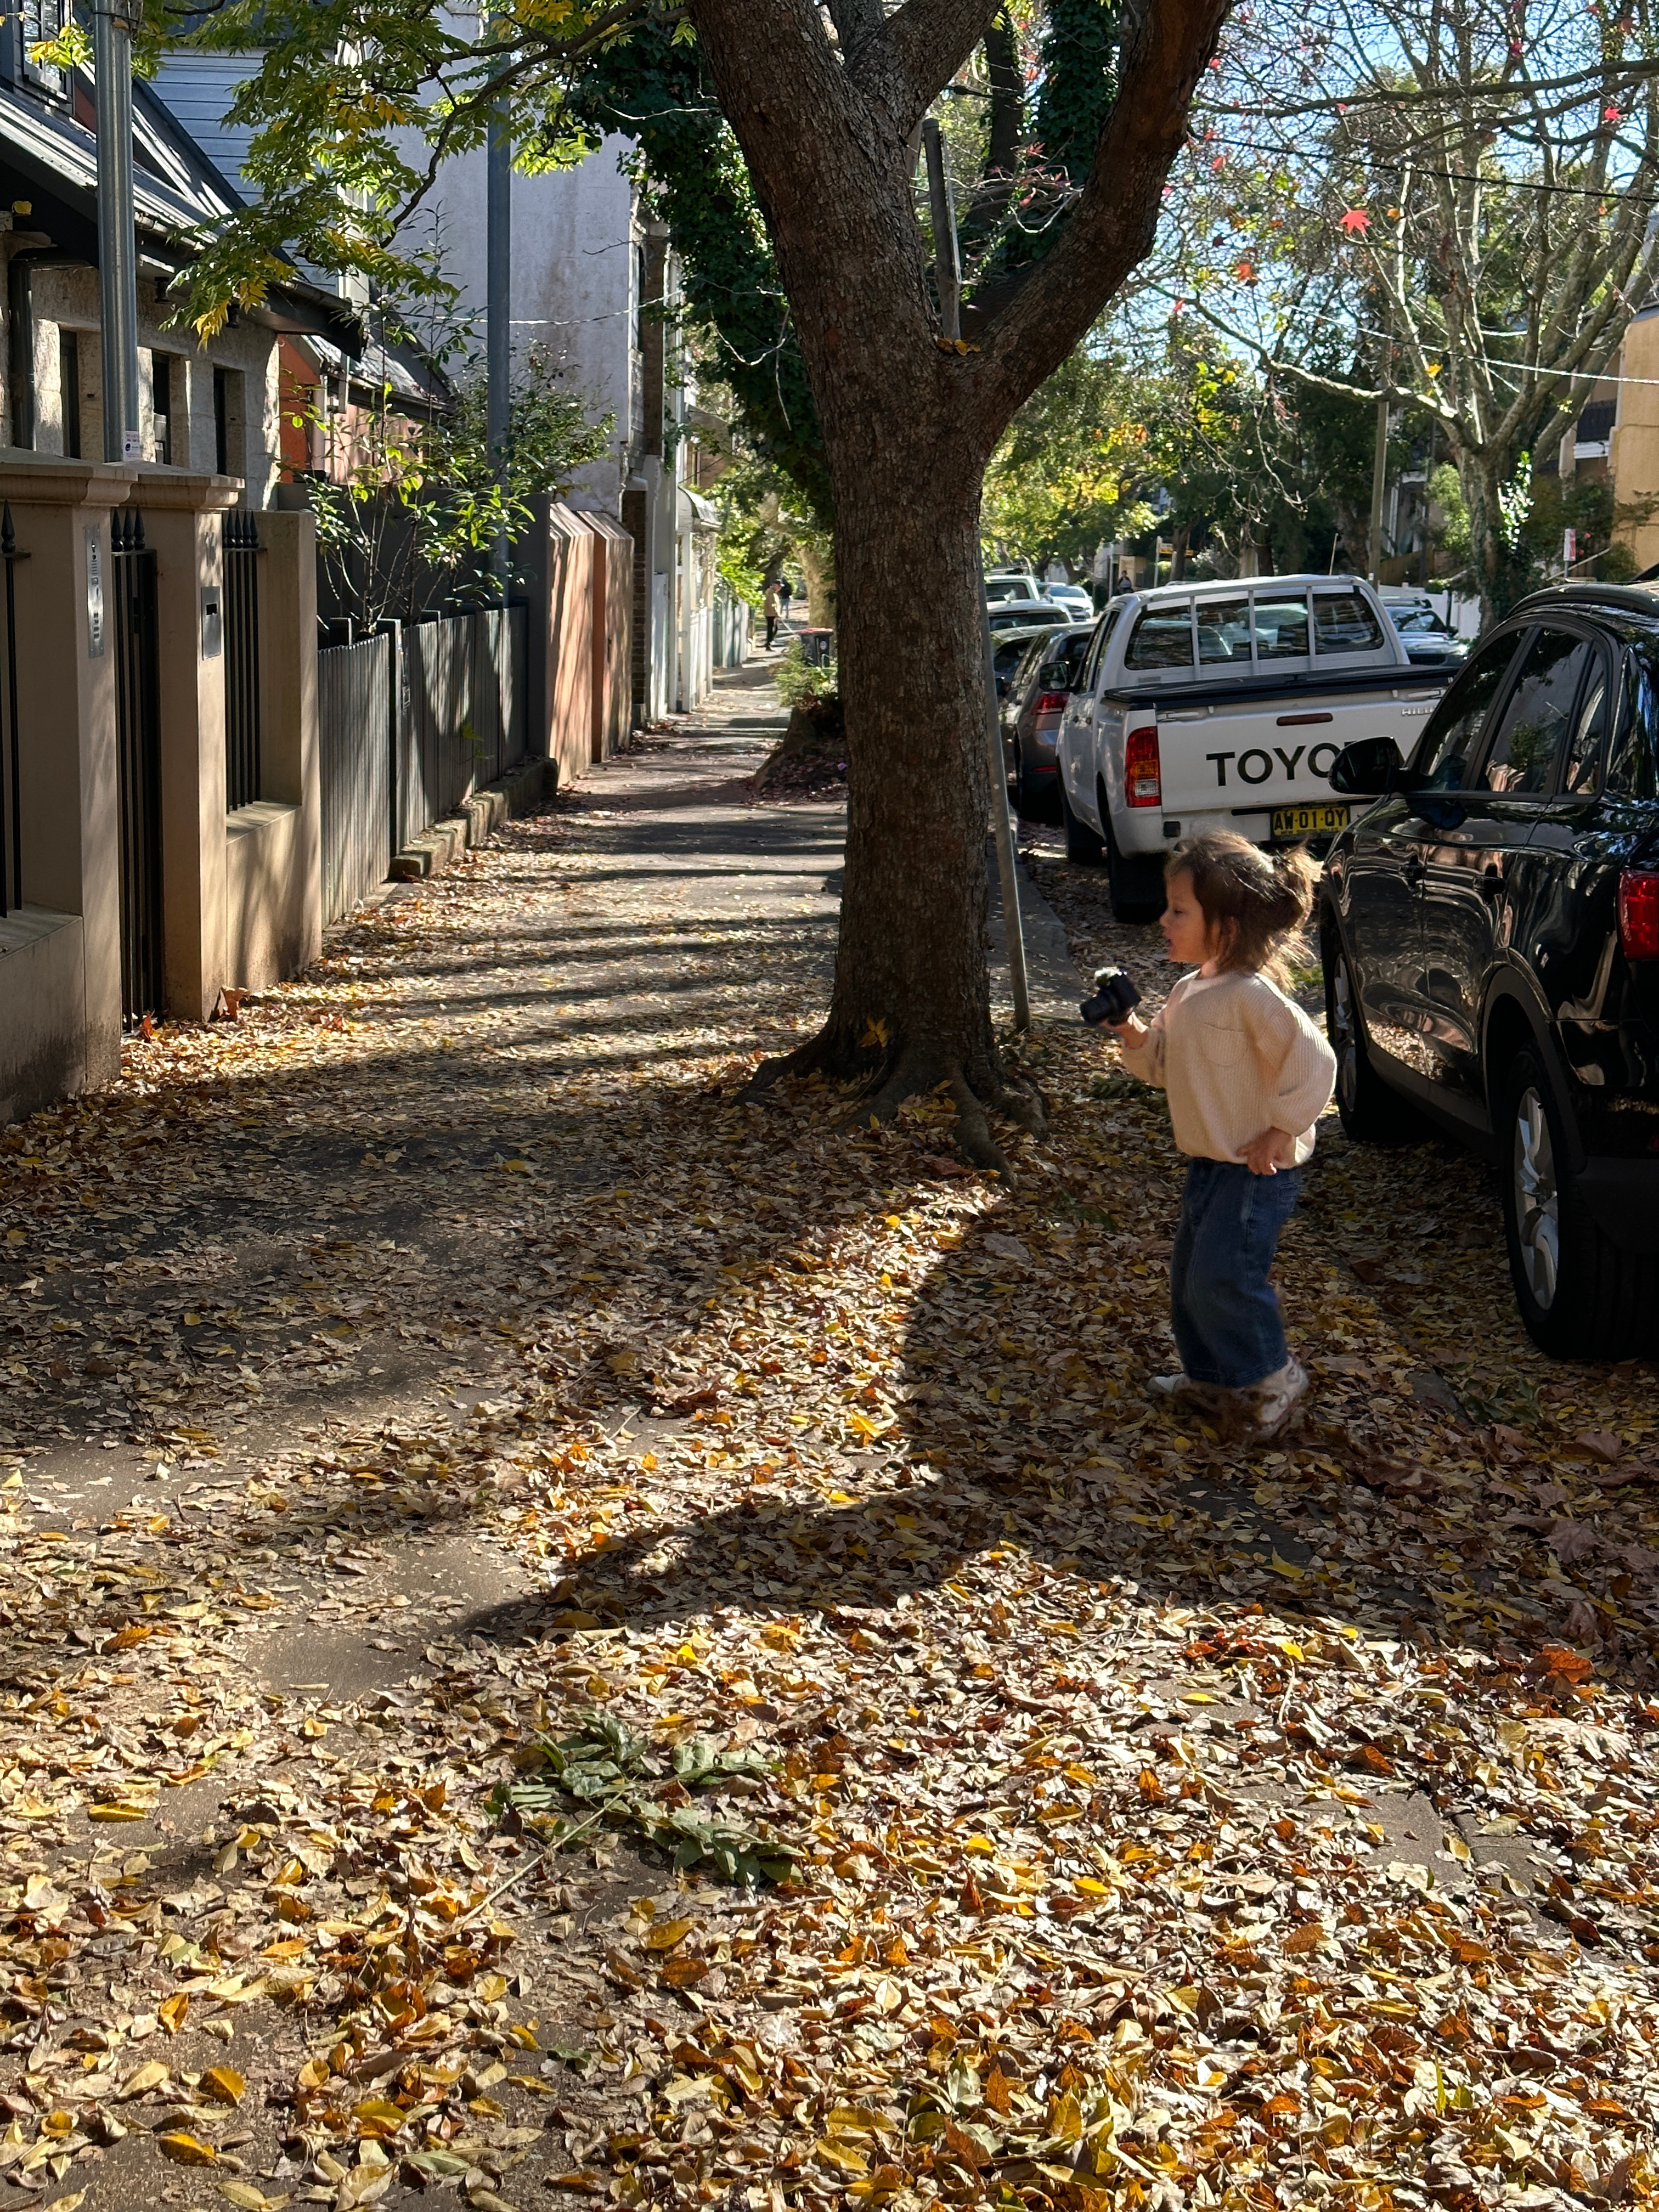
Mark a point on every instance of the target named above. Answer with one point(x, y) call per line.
point(916, 1073)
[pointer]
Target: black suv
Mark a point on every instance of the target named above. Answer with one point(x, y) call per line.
point(1490, 931)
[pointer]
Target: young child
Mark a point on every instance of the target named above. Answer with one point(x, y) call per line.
point(1247, 1074)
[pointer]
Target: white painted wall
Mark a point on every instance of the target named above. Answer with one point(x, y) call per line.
point(576, 243)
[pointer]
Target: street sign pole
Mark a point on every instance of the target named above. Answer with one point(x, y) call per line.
point(947, 270)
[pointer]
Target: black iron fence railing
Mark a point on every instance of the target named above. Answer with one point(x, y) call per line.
point(241, 654)
point(11, 743)
point(138, 764)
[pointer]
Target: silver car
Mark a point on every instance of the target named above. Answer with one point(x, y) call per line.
point(1032, 708)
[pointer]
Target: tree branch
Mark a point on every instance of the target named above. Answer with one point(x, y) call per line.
point(904, 68)
point(1111, 229)
point(855, 20)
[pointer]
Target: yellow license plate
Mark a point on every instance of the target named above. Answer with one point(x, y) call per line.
point(1308, 821)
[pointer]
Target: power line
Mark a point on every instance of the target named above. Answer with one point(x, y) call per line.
point(1451, 176)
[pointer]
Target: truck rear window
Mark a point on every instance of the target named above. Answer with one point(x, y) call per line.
point(1162, 639)
point(1344, 624)
point(1281, 629)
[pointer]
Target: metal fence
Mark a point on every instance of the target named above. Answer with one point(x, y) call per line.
point(412, 721)
point(11, 743)
point(138, 764)
point(240, 622)
point(356, 738)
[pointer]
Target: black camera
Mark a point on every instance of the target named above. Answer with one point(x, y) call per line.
point(1116, 997)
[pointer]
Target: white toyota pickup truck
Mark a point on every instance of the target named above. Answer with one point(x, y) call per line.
point(1222, 707)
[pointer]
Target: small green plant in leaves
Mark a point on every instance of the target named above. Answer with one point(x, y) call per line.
point(629, 1783)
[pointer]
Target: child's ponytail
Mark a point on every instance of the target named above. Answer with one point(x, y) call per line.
point(1259, 902)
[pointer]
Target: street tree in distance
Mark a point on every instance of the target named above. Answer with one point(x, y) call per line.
point(826, 103)
point(1460, 192)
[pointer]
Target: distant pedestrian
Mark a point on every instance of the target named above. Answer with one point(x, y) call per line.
point(1248, 1075)
point(786, 593)
point(771, 605)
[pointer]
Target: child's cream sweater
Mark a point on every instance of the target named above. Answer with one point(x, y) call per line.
point(1237, 1058)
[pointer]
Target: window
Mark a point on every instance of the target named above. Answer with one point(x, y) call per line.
point(1162, 639)
point(37, 21)
point(1093, 664)
point(1072, 651)
point(161, 390)
point(1224, 630)
point(1281, 629)
point(1452, 737)
point(68, 390)
point(1632, 765)
point(1343, 623)
point(1538, 714)
point(1578, 775)
point(220, 425)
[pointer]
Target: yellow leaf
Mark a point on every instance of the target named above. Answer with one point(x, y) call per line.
point(875, 1033)
point(171, 2013)
point(379, 2111)
point(118, 1813)
point(184, 2150)
point(517, 1167)
point(223, 2084)
point(842, 2157)
point(147, 2077)
point(246, 2198)
point(670, 1933)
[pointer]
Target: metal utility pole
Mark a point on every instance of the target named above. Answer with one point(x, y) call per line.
point(498, 316)
point(118, 255)
point(947, 253)
point(947, 274)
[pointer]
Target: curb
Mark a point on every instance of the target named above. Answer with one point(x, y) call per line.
point(475, 821)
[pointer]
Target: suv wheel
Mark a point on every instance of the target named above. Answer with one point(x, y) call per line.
point(1580, 1296)
point(1082, 845)
point(1137, 883)
point(1370, 1112)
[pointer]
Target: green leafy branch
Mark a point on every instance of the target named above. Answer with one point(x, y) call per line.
point(627, 1783)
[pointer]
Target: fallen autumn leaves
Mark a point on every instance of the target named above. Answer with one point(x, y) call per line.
point(1171, 1828)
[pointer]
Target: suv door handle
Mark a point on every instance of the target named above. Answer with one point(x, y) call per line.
point(1416, 870)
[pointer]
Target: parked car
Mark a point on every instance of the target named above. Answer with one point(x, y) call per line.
point(1073, 601)
point(1428, 637)
point(1222, 706)
point(1031, 710)
point(1490, 931)
point(1010, 584)
point(1008, 648)
point(1025, 615)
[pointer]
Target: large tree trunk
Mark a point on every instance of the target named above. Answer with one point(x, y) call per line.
point(909, 424)
point(910, 1006)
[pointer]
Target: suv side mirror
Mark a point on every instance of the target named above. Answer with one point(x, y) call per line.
point(1053, 675)
point(1369, 768)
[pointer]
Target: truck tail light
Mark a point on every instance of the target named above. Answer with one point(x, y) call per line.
point(1638, 914)
point(1143, 771)
point(1050, 702)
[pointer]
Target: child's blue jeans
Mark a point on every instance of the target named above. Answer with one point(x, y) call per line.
point(1226, 1312)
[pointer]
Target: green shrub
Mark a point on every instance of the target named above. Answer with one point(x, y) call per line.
point(798, 681)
